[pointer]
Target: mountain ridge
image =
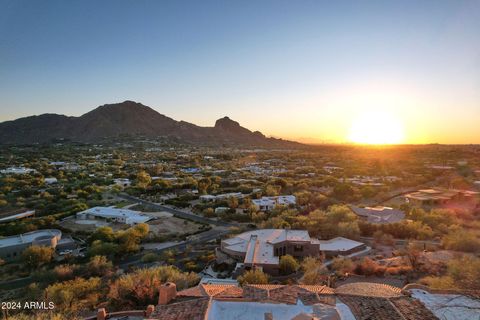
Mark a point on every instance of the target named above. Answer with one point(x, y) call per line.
point(128, 118)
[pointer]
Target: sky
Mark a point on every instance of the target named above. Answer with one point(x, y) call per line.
point(302, 70)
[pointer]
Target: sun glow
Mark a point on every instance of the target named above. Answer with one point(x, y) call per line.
point(376, 128)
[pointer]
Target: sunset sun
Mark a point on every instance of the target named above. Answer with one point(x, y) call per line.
point(376, 128)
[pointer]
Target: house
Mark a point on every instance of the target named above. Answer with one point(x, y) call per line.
point(263, 248)
point(379, 214)
point(51, 180)
point(439, 196)
point(17, 170)
point(226, 196)
point(221, 209)
point(16, 215)
point(341, 247)
point(122, 182)
point(269, 203)
point(114, 215)
point(207, 198)
point(11, 248)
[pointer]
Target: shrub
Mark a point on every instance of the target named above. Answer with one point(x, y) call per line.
point(288, 264)
point(253, 277)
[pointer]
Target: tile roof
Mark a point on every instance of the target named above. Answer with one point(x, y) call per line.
point(308, 294)
point(412, 309)
point(195, 309)
point(369, 289)
point(317, 288)
point(371, 308)
point(365, 300)
point(209, 290)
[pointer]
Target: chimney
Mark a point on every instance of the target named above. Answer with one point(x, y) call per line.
point(268, 316)
point(101, 314)
point(149, 310)
point(167, 292)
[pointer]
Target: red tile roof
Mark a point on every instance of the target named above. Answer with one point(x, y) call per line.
point(369, 289)
point(194, 309)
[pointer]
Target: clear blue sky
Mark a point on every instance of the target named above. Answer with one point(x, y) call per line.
point(296, 69)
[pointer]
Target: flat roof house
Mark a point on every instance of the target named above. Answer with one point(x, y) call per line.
point(269, 203)
point(113, 214)
point(11, 248)
point(16, 215)
point(263, 248)
point(379, 214)
point(220, 197)
point(340, 246)
point(17, 170)
point(439, 196)
point(122, 182)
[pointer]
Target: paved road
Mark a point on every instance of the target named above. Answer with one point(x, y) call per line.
point(15, 283)
point(176, 212)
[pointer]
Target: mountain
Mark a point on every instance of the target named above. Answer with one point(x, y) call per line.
point(128, 118)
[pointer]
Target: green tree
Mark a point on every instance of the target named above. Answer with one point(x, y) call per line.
point(35, 256)
point(71, 297)
point(99, 248)
point(141, 230)
point(314, 272)
point(129, 241)
point(288, 264)
point(253, 277)
point(462, 273)
point(104, 234)
point(140, 288)
point(342, 266)
point(99, 266)
point(232, 202)
point(143, 179)
point(461, 240)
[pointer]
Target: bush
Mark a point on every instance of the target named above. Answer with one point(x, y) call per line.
point(288, 265)
point(35, 256)
point(72, 296)
point(314, 271)
point(368, 267)
point(150, 257)
point(140, 288)
point(253, 277)
point(99, 266)
point(461, 240)
point(342, 266)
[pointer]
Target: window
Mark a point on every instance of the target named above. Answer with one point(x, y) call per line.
point(298, 248)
